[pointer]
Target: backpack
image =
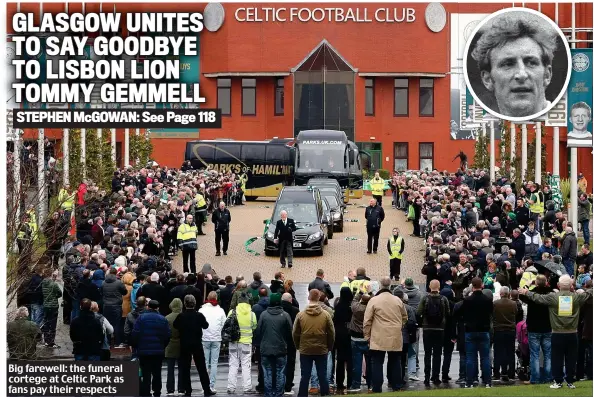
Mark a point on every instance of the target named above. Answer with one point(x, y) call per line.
point(434, 311)
point(230, 331)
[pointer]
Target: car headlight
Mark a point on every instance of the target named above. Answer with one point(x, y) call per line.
point(337, 215)
point(315, 236)
point(270, 235)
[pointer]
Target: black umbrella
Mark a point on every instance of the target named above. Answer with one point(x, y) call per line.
point(553, 267)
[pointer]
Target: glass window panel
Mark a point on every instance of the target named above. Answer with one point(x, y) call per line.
point(401, 101)
point(400, 164)
point(426, 150)
point(224, 83)
point(426, 164)
point(401, 150)
point(401, 83)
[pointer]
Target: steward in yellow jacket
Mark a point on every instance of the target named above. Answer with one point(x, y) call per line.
point(377, 188)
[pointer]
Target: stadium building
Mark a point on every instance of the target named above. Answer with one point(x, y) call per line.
point(380, 72)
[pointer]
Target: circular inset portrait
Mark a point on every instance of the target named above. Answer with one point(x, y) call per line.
point(517, 64)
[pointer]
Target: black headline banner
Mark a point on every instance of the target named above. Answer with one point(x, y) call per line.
point(117, 118)
point(73, 378)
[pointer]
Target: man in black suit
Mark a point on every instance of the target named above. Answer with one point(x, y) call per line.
point(283, 236)
point(375, 216)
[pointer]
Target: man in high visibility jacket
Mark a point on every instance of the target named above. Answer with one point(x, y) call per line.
point(186, 240)
point(395, 250)
point(361, 282)
point(536, 205)
point(66, 200)
point(377, 188)
point(200, 203)
point(348, 280)
point(33, 222)
point(24, 234)
point(243, 178)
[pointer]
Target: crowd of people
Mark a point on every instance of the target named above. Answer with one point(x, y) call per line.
point(504, 278)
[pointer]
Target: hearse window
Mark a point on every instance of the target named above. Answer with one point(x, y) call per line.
point(228, 152)
point(255, 153)
point(277, 154)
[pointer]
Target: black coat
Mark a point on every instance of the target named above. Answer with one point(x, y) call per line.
point(375, 216)
point(225, 296)
point(321, 285)
point(190, 324)
point(537, 319)
point(285, 233)
point(221, 219)
point(476, 312)
point(519, 245)
point(86, 333)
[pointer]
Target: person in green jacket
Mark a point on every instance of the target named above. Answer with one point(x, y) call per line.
point(564, 313)
point(173, 348)
point(22, 336)
point(51, 293)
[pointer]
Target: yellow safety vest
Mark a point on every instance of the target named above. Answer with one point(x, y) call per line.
point(247, 322)
point(526, 280)
point(538, 206)
point(243, 180)
point(66, 200)
point(187, 234)
point(395, 246)
point(357, 285)
point(33, 223)
point(377, 187)
point(345, 284)
point(200, 202)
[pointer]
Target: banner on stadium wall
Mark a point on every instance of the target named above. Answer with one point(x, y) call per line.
point(189, 73)
point(579, 99)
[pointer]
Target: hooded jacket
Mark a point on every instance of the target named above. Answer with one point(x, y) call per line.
point(342, 316)
point(173, 348)
point(127, 280)
point(215, 317)
point(313, 331)
point(414, 295)
point(261, 306)
point(98, 278)
point(247, 322)
point(274, 328)
point(113, 291)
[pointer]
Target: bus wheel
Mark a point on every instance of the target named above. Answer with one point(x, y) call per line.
point(251, 198)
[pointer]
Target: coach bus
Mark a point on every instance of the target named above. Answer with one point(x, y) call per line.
point(267, 164)
point(329, 154)
point(272, 164)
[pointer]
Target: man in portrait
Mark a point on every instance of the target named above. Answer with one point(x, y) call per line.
point(580, 117)
point(515, 55)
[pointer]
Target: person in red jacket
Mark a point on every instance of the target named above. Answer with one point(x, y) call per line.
point(80, 195)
